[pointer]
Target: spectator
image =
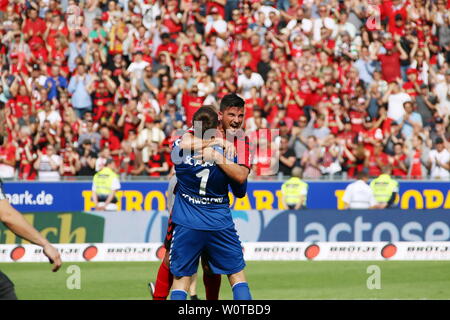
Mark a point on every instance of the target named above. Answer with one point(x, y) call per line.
point(7, 158)
point(310, 159)
point(104, 187)
point(248, 80)
point(426, 105)
point(56, 83)
point(87, 158)
point(130, 160)
point(411, 121)
point(294, 191)
point(439, 161)
point(91, 135)
point(417, 159)
point(77, 48)
point(395, 99)
point(390, 61)
point(156, 165)
point(80, 88)
point(385, 189)
point(24, 155)
point(70, 163)
point(442, 91)
point(48, 164)
point(398, 162)
point(110, 141)
point(286, 157)
point(358, 195)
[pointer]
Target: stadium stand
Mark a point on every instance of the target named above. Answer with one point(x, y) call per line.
point(352, 84)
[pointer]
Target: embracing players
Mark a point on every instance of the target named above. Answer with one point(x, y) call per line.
point(201, 212)
point(231, 117)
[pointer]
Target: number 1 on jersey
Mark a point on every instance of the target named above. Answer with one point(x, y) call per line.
point(204, 175)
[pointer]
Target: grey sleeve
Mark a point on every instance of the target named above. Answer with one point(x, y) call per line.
point(171, 192)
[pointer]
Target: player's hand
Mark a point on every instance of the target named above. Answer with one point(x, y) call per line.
point(207, 155)
point(53, 256)
point(229, 148)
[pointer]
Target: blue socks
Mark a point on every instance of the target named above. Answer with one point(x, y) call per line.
point(241, 291)
point(178, 295)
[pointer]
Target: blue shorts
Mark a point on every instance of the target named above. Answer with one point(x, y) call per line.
point(221, 248)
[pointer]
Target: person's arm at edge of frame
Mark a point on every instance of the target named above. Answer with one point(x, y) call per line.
point(14, 221)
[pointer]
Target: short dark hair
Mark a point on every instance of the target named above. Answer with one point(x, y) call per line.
point(231, 100)
point(205, 118)
point(364, 173)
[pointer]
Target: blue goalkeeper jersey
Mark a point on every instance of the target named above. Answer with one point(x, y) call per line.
point(201, 199)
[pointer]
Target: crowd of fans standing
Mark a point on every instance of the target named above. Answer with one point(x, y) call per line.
point(349, 84)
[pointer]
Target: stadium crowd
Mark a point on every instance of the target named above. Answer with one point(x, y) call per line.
point(350, 84)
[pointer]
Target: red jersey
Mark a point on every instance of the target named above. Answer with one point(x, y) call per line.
point(374, 169)
point(170, 47)
point(348, 136)
point(191, 104)
point(294, 110)
point(8, 153)
point(411, 89)
point(113, 143)
point(156, 161)
point(357, 119)
point(36, 27)
point(390, 66)
point(375, 133)
point(250, 104)
point(416, 165)
point(396, 170)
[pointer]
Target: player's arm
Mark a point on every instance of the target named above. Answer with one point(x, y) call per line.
point(14, 221)
point(234, 171)
point(190, 142)
point(239, 190)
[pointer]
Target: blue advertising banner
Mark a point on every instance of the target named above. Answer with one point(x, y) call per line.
point(334, 225)
point(143, 196)
point(309, 225)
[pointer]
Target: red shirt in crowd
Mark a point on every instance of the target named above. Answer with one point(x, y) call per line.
point(8, 152)
point(374, 169)
point(36, 27)
point(390, 66)
point(410, 88)
point(170, 47)
point(191, 104)
point(357, 119)
point(156, 161)
point(416, 165)
point(396, 170)
point(113, 143)
point(294, 110)
point(250, 104)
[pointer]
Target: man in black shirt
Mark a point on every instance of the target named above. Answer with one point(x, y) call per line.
point(263, 66)
point(287, 157)
point(426, 105)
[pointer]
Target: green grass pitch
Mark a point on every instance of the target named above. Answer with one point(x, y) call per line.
point(277, 280)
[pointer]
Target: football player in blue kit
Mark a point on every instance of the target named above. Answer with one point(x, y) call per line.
point(201, 213)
